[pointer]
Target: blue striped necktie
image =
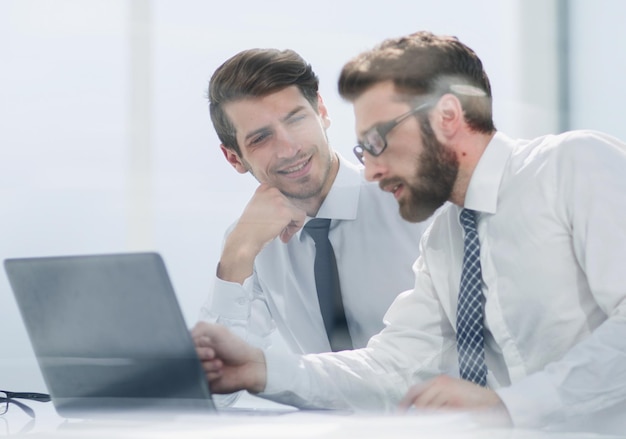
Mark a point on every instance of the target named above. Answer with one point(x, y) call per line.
point(469, 314)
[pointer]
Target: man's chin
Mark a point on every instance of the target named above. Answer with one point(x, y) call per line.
point(415, 213)
point(303, 190)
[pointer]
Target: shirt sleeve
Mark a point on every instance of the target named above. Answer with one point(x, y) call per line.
point(591, 377)
point(377, 376)
point(242, 308)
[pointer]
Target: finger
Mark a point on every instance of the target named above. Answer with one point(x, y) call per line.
point(292, 228)
point(429, 395)
point(411, 395)
point(213, 376)
point(429, 398)
point(438, 400)
point(205, 354)
point(202, 341)
point(199, 329)
point(212, 366)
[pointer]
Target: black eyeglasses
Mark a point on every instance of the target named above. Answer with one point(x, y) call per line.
point(7, 398)
point(375, 139)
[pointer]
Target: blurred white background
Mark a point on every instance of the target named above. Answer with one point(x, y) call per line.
point(106, 143)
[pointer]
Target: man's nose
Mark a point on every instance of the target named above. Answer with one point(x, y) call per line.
point(287, 145)
point(374, 167)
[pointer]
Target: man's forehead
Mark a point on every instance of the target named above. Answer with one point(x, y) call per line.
point(275, 103)
point(379, 103)
point(284, 95)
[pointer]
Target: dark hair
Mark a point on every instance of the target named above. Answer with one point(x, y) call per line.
point(256, 73)
point(424, 64)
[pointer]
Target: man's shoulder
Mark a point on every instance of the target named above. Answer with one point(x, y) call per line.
point(568, 150)
point(587, 144)
point(570, 143)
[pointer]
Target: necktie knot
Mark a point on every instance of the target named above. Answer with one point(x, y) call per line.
point(317, 228)
point(468, 220)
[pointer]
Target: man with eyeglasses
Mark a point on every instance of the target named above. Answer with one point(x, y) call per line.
point(519, 308)
point(272, 122)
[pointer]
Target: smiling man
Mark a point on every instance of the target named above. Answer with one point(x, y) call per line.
point(272, 123)
point(519, 306)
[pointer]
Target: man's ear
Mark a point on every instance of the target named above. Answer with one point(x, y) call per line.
point(323, 111)
point(233, 158)
point(448, 117)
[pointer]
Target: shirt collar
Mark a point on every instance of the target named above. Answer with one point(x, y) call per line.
point(482, 192)
point(342, 201)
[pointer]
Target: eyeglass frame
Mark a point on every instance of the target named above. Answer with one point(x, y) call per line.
point(12, 396)
point(382, 130)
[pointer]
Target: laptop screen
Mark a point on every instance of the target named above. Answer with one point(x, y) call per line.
point(108, 333)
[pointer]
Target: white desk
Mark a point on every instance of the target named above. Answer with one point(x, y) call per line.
point(15, 374)
point(294, 425)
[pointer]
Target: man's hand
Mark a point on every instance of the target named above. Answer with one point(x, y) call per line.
point(445, 392)
point(267, 215)
point(230, 364)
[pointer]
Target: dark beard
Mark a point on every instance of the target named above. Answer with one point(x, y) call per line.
point(437, 170)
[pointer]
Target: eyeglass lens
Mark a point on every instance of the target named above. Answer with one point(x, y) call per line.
point(7, 398)
point(4, 403)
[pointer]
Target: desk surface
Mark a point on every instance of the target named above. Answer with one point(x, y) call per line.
point(296, 424)
point(293, 425)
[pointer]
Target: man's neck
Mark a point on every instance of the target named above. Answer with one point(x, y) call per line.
point(469, 151)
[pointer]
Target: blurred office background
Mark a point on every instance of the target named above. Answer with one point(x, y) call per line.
point(106, 144)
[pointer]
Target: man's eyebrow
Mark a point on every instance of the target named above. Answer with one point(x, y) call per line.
point(298, 109)
point(363, 132)
point(266, 129)
point(262, 130)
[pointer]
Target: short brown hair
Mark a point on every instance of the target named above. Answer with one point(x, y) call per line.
point(424, 64)
point(256, 73)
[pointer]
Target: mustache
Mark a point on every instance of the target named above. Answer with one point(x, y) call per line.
point(390, 182)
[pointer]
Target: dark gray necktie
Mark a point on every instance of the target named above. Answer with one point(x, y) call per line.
point(469, 314)
point(327, 285)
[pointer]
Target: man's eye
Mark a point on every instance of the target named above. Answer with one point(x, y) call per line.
point(296, 118)
point(259, 139)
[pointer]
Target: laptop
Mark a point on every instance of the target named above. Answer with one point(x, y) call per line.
point(109, 334)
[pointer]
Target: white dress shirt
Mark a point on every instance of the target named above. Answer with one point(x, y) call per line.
point(374, 249)
point(552, 230)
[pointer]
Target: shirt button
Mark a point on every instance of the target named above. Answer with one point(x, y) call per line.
point(241, 301)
